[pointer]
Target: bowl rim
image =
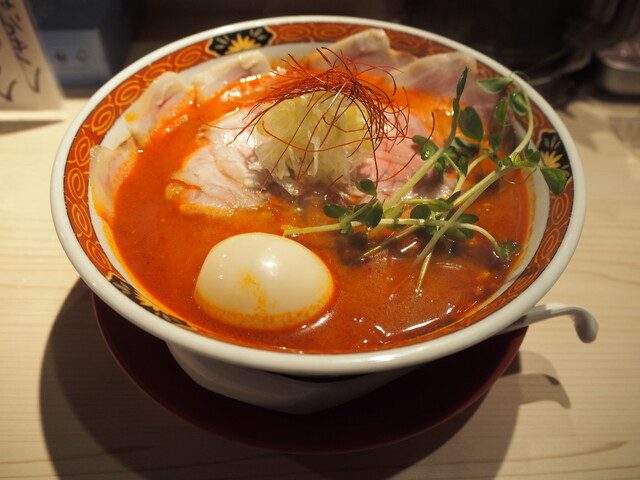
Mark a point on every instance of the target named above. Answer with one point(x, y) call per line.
point(310, 363)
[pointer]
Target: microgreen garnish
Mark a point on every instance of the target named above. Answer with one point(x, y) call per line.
point(471, 125)
point(446, 218)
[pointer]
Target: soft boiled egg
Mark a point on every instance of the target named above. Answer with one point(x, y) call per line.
point(265, 281)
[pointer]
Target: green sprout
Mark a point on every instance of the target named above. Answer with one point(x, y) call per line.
point(444, 218)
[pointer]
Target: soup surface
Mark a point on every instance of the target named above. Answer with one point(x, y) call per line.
point(374, 306)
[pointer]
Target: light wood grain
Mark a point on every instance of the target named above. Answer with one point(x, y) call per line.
point(565, 409)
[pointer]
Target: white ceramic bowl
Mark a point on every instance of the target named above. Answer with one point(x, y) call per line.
point(557, 224)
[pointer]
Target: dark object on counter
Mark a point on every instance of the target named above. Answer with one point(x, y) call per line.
point(548, 40)
point(87, 41)
point(618, 68)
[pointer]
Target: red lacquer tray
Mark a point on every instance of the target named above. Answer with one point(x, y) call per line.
point(415, 403)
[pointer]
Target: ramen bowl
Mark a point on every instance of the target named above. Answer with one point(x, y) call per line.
point(299, 382)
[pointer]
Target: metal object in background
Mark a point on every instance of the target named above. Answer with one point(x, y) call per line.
point(618, 67)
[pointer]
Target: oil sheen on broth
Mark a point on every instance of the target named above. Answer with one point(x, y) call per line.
point(374, 305)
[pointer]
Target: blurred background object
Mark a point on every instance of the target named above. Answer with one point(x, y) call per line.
point(27, 83)
point(87, 40)
point(553, 42)
point(618, 67)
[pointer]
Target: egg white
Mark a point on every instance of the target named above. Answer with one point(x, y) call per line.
point(263, 281)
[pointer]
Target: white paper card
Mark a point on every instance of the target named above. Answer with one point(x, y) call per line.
point(27, 81)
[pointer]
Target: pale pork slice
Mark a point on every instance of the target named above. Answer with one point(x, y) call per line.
point(370, 47)
point(108, 169)
point(226, 174)
point(202, 185)
point(396, 161)
point(224, 72)
point(218, 178)
point(109, 166)
point(156, 106)
point(439, 74)
point(162, 99)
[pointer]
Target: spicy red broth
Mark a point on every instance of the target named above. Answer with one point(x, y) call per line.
point(374, 304)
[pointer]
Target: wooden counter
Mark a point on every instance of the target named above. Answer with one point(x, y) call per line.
point(563, 410)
